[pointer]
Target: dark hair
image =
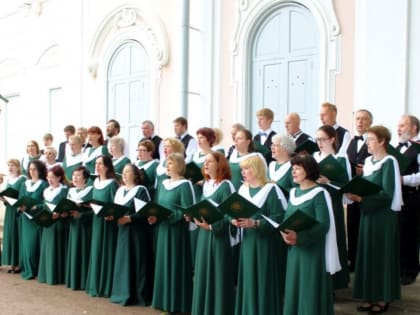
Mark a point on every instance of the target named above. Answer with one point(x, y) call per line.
point(84, 170)
point(223, 168)
point(70, 128)
point(208, 133)
point(181, 120)
point(58, 171)
point(138, 177)
point(116, 124)
point(40, 167)
point(308, 163)
point(331, 133)
point(110, 172)
point(97, 130)
point(248, 136)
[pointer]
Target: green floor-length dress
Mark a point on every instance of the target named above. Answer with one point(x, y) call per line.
point(11, 228)
point(213, 289)
point(173, 269)
point(262, 258)
point(103, 244)
point(30, 231)
point(79, 243)
point(130, 269)
point(53, 242)
point(377, 270)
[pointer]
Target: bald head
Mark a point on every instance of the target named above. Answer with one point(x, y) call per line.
point(292, 123)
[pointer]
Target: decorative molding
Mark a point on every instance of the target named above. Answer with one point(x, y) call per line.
point(143, 26)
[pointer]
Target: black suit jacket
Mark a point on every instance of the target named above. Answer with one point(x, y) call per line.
point(267, 144)
point(302, 138)
point(61, 151)
point(356, 157)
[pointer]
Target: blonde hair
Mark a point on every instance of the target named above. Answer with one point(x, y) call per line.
point(179, 161)
point(219, 135)
point(258, 167)
point(16, 163)
point(176, 145)
point(266, 112)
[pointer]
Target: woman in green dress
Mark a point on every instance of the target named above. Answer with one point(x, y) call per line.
point(33, 187)
point(377, 272)
point(104, 232)
point(96, 140)
point(173, 269)
point(312, 256)
point(147, 164)
point(54, 238)
point(280, 170)
point(119, 160)
point(326, 138)
point(213, 290)
point(80, 231)
point(130, 270)
point(11, 225)
point(49, 157)
point(32, 153)
point(261, 269)
point(75, 159)
point(205, 141)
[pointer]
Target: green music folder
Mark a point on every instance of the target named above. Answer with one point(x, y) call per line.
point(152, 209)
point(67, 205)
point(297, 222)
point(403, 161)
point(205, 209)
point(308, 146)
point(108, 209)
point(237, 206)
point(332, 169)
point(27, 201)
point(10, 192)
point(193, 172)
point(42, 217)
point(360, 186)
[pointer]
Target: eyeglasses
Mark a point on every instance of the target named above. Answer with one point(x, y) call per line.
point(321, 139)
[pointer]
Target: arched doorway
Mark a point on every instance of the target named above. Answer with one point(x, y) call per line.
point(284, 66)
point(128, 81)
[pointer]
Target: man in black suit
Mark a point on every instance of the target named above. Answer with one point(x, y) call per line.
point(328, 116)
point(82, 133)
point(64, 147)
point(189, 142)
point(148, 130)
point(408, 129)
point(262, 140)
point(357, 153)
point(292, 125)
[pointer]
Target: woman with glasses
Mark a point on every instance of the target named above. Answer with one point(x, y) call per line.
point(377, 272)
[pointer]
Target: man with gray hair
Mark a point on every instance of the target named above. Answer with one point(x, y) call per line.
point(148, 130)
point(408, 129)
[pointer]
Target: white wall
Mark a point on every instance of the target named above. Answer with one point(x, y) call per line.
point(387, 47)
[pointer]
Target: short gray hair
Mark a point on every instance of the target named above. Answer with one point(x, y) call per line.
point(118, 142)
point(286, 142)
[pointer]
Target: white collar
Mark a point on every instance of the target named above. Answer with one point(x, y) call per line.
point(98, 184)
point(50, 193)
point(31, 187)
point(280, 172)
point(210, 186)
point(77, 196)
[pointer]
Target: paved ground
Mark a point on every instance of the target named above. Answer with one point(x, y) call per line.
point(19, 297)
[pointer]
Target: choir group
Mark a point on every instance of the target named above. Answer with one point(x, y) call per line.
point(235, 264)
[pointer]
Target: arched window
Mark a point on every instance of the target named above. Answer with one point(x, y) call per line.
point(128, 81)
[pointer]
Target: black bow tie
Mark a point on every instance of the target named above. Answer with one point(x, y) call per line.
point(403, 144)
point(357, 138)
